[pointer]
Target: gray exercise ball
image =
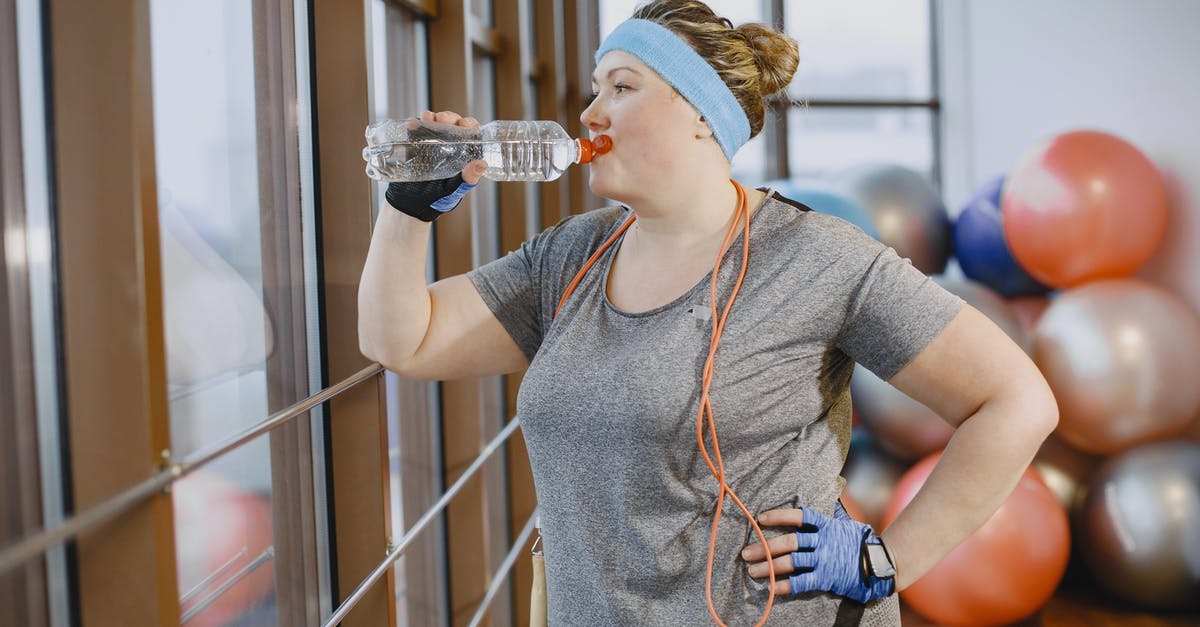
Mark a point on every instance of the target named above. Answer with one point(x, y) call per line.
point(1065, 470)
point(990, 304)
point(905, 209)
point(901, 425)
point(904, 427)
point(1139, 525)
point(871, 475)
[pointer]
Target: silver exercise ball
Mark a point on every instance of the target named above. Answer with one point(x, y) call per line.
point(902, 426)
point(1065, 470)
point(905, 209)
point(1139, 525)
point(871, 475)
point(1121, 358)
point(991, 305)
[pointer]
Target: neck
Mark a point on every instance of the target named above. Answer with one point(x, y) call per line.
point(691, 218)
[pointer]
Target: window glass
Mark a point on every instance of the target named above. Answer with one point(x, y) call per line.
point(824, 141)
point(219, 335)
point(860, 49)
point(613, 12)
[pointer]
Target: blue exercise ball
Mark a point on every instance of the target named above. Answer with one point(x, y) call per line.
point(982, 252)
point(820, 198)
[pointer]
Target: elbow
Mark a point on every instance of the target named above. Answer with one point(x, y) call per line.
point(1040, 406)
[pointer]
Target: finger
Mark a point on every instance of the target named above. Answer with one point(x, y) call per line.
point(783, 566)
point(447, 117)
point(782, 587)
point(806, 540)
point(802, 582)
point(785, 543)
point(802, 560)
point(790, 517)
point(474, 171)
point(469, 122)
point(426, 116)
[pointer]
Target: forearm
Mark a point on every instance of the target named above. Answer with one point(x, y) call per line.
point(975, 474)
point(393, 296)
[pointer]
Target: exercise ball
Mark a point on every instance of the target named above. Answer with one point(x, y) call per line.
point(1083, 206)
point(981, 250)
point(1029, 310)
point(853, 509)
point(901, 425)
point(1139, 526)
point(1065, 470)
point(871, 475)
point(221, 529)
point(905, 209)
point(1003, 572)
point(1121, 358)
point(990, 304)
point(824, 199)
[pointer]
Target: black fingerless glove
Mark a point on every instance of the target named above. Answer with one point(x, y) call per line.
point(428, 200)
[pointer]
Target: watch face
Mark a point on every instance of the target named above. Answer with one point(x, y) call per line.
point(881, 564)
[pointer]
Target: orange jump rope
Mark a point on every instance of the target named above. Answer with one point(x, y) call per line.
point(705, 413)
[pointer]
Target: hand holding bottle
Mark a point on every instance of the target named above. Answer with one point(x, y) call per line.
point(427, 200)
point(427, 148)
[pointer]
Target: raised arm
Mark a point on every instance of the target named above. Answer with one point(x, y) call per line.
point(439, 331)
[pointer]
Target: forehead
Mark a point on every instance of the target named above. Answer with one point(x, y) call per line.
point(614, 60)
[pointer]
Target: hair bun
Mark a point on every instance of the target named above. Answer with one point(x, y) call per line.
point(776, 55)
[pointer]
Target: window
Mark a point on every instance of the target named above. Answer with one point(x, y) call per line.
point(865, 90)
point(234, 206)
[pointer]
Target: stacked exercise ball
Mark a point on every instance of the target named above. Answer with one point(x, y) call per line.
point(1049, 252)
point(1083, 206)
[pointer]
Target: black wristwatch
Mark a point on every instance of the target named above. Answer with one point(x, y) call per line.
point(876, 561)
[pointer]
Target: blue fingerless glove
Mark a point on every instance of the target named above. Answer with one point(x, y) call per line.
point(428, 200)
point(831, 550)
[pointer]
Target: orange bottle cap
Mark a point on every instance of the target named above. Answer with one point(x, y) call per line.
point(589, 148)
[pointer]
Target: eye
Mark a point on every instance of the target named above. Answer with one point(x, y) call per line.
point(621, 87)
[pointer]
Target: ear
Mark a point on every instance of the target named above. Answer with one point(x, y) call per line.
point(703, 131)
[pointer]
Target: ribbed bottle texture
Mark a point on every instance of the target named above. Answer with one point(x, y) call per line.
point(515, 150)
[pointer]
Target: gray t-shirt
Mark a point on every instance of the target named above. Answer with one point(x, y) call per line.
point(608, 409)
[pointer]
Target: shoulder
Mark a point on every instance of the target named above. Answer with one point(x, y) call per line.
point(574, 237)
point(791, 225)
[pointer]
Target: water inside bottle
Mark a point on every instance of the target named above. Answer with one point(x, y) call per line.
point(514, 150)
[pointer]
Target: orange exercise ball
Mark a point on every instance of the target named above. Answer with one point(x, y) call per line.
point(1084, 205)
point(1003, 572)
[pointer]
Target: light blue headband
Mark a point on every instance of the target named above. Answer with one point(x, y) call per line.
point(688, 73)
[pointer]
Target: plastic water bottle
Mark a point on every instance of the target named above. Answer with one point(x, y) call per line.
point(515, 150)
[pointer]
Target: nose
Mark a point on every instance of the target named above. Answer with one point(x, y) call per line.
point(593, 116)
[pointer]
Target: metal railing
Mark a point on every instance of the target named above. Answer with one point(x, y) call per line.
point(411, 534)
point(16, 554)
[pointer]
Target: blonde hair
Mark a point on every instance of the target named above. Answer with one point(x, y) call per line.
point(753, 60)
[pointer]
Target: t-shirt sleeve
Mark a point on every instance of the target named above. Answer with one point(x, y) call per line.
point(512, 288)
point(894, 312)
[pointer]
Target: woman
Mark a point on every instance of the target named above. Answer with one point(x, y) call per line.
point(621, 366)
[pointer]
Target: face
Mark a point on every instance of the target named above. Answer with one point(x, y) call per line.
point(654, 130)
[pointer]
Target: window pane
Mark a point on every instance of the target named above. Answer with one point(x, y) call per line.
point(865, 49)
point(219, 336)
point(613, 12)
point(822, 142)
